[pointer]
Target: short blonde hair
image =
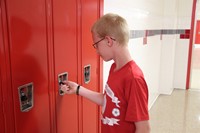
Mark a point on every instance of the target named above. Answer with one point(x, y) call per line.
point(114, 26)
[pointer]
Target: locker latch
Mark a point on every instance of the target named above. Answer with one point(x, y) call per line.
point(26, 97)
point(87, 71)
point(62, 77)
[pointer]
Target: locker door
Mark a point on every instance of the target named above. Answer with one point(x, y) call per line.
point(6, 101)
point(90, 12)
point(28, 56)
point(65, 50)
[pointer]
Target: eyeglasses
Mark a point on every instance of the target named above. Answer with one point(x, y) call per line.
point(95, 44)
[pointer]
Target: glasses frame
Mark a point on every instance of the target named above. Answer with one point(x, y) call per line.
point(95, 44)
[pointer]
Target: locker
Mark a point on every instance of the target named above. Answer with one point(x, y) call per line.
point(46, 42)
point(6, 109)
point(78, 55)
point(89, 58)
point(66, 61)
point(29, 65)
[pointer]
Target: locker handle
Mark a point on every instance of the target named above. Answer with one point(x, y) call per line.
point(87, 73)
point(61, 78)
point(26, 98)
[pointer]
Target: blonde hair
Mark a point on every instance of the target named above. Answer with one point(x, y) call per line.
point(114, 26)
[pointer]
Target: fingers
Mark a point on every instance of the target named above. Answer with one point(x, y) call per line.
point(68, 83)
point(68, 87)
point(64, 82)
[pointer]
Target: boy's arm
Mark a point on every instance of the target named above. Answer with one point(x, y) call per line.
point(91, 95)
point(142, 127)
point(70, 87)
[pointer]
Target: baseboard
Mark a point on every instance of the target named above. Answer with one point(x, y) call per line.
point(152, 103)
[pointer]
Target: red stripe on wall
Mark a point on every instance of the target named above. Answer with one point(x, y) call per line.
point(190, 45)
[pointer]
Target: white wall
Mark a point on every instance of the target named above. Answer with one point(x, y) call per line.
point(159, 59)
point(182, 45)
point(168, 47)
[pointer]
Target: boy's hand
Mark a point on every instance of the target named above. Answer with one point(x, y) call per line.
point(69, 87)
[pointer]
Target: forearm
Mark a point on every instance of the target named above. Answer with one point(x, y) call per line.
point(93, 96)
point(70, 87)
point(142, 131)
point(142, 127)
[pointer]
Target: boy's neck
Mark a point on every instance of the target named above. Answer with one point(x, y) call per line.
point(122, 57)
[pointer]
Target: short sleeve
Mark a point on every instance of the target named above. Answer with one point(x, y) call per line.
point(137, 100)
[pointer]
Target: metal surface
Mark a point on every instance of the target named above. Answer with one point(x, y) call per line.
point(28, 56)
point(66, 59)
point(2, 122)
point(1, 94)
point(89, 56)
point(42, 39)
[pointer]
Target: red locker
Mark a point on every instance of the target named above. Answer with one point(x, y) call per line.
point(6, 109)
point(44, 42)
point(73, 45)
point(29, 65)
point(66, 62)
point(90, 13)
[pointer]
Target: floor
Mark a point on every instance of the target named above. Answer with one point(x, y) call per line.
point(176, 113)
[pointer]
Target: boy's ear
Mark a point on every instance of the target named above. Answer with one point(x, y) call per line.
point(109, 41)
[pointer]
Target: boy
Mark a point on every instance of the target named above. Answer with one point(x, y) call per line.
point(125, 101)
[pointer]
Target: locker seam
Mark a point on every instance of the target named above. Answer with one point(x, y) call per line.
point(49, 33)
point(79, 62)
point(7, 56)
point(3, 100)
point(2, 103)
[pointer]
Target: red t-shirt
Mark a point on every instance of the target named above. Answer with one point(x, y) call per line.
point(125, 99)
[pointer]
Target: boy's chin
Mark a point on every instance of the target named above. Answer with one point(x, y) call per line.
point(106, 60)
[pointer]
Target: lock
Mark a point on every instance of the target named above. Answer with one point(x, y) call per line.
point(87, 73)
point(26, 97)
point(61, 78)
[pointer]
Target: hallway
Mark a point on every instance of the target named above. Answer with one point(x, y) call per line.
point(176, 113)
